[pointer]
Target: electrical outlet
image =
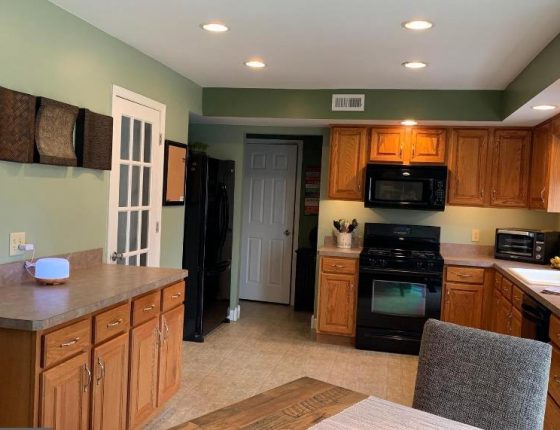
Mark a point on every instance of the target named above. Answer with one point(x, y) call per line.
point(16, 239)
point(475, 235)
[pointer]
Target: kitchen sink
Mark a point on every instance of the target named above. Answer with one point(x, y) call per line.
point(538, 276)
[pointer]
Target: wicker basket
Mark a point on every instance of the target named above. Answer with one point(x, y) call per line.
point(54, 133)
point(94, 140)
point(17, 126)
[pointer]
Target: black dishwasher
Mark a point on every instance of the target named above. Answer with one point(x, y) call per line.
point(535, 320)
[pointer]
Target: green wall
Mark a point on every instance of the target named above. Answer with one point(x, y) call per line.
point(442, 105)
point(227, 142)
point(46, 51)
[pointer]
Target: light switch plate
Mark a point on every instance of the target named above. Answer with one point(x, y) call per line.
point(475, 235)
point(16, 239)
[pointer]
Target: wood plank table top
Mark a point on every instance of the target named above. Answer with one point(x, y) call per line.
point(305, 402)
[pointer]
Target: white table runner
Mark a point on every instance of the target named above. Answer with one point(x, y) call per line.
point(375, 413)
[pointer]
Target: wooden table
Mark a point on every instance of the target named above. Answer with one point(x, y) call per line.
point(301, 404)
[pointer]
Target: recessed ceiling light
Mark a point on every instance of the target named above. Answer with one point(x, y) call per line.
point(414, 64)
point(544, 107)
point(255, 64)
point(417, 25)
point(214, 27)
point(409, 122)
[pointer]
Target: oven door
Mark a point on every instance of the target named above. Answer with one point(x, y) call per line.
point(398, 302)
point(515, 245)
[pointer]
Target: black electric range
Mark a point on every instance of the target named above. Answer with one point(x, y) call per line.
point(400, 286)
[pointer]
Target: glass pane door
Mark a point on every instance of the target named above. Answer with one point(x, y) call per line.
point(398, 298)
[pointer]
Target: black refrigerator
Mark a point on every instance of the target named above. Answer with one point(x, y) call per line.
point(207, 243)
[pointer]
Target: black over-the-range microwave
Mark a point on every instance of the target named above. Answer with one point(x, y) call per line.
point(405, 187)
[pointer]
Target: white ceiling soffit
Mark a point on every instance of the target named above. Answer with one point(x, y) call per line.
point(527, 116)
point(475, 44)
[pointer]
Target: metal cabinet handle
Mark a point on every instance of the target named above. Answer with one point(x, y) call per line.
point(70, 342)
point(337, 266)
point(102, 370)
point(413, 150)
point(176, 296)
point(482, 193)
point(401, 150)
point(114, 323)
point(556, 379)
point(464, 275)
point(166, 335)
point(88, 377)
point(493, 194)
point(542, 194)
point(149, 308)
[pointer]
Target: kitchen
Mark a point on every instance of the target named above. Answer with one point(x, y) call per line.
point(500, 155)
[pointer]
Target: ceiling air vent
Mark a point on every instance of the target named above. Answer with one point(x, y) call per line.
point(348, 102)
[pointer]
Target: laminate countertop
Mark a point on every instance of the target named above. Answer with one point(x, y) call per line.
point(551, 302)
point(333, 251)
point(30, 306)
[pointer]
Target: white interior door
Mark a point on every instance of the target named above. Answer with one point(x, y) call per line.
point(135, 195)
point(268, 219)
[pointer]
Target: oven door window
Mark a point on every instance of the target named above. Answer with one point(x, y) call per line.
point(389, 190)
point(398, 298)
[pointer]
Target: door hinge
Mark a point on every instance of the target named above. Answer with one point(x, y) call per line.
point(161, 139)
point(157, 226)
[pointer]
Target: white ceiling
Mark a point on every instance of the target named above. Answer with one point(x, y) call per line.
point(475, 44)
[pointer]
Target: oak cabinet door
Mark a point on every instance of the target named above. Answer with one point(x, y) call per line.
point(503, 316)
point(65, 394)
point(170, 355)
point(143, 372)
point(387, 145)
point(467, 167)
point(337, 304)
point(347, 163)
point(110, 385)
point(496, 305)
point(428, 145)
point(516, 321)
point(552, 415)
point(538, 188)
point(463, 304)
point(511, 157)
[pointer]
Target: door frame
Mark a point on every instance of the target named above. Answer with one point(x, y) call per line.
point(297, 198)
point(128, 95)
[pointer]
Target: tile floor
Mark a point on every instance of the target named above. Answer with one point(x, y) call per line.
point(269, 346)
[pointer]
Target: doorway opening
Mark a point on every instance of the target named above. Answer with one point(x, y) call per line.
point(281, 187)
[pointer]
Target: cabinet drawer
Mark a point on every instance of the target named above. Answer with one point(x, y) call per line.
point(552, 416)
point(338, 265)
point(66, 342)
point(554, 332)
point(145, 307)
point(507, 289)
point(517, 297)
point(467, 275)
point(554, 382)
point(173, 296)
point(111, 322)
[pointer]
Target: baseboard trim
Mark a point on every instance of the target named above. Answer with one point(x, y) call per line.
point(235, 313)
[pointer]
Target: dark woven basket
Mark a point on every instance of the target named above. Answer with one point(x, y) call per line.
point(17, 126)
point(54, 133)
point(94, 140)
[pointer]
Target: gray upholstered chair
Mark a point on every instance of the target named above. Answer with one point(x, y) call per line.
point(481, 378)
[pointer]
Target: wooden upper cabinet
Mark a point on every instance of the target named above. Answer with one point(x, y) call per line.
point(538, 192)
point(463, 304)
point(110, 384)
point(428, 145)
point(348, 155)
point(467, 167)
point(65, 394)
point(386, 145)
point(511, 160)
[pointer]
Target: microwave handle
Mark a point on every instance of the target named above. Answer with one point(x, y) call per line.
point(515, 232)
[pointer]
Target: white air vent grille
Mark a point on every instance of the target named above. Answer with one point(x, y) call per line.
point(348, 102)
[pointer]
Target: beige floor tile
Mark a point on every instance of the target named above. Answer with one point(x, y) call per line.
point(269, 346)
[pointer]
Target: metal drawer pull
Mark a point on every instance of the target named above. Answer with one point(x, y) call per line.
point(338, 266)
point(556, 379)
point(176, 296)
point(464, 275)
point(114, 323)
point(70, 342)
point(149, 308)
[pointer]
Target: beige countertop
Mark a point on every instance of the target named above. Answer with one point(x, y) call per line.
point(330, 250)
point(551, 302)
point(29, 306)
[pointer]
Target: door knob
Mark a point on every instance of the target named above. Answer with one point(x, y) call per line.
point(286, 232)
point(117, 256)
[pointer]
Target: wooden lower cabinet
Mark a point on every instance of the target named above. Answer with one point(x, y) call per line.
point(110, 384)
point(65, 394)
point(463, 304)
point(552, 416)
point(516, 321)
point(143, 372)
point(170, 354)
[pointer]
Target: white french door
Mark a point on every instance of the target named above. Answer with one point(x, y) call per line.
point(268, 221)
point(135, 192)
